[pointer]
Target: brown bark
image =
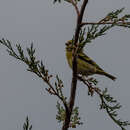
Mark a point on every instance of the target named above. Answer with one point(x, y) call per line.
point(74, 73)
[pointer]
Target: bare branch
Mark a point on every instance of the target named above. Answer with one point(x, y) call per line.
point(75, 6)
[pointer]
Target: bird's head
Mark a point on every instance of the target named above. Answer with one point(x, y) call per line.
point(69, 45)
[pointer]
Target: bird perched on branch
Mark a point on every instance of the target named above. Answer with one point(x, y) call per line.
point(85, 65)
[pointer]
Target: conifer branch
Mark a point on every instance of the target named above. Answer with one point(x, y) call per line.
point(36, 67)
point(113, 19)
point(26, 125)
point(125, 24)
point(108, 103)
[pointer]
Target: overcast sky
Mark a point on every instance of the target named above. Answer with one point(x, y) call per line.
point(49, 27)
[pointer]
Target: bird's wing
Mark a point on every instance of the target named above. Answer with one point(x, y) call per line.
point(85, 58)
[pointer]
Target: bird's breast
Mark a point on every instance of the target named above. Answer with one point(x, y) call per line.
point(69, 58)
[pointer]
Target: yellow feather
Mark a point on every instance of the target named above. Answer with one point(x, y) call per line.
point(85, 65)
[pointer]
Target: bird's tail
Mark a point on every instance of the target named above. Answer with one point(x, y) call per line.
point(108, 75)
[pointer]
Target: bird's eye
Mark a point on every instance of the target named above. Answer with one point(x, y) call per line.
point(66, 43)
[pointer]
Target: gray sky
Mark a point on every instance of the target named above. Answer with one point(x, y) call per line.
point(49, 26)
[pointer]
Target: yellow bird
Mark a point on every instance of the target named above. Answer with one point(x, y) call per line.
point(85, 65)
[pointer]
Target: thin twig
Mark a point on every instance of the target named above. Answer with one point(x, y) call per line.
point(75, 6)
point(79, 20)
point(99, 23)
point(54, 92)
point(107, 110)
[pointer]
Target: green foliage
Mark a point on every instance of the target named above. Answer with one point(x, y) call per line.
point(111, 106)
point(117, 21)
point(112, 16)
point(58, 86)
point(34, 65)
point(61, 113)
point(26, 125)
point(92, 33)
point(95, 30)
point(92, 81)
point(75, 119)
point(38, 68)
point(108, 103)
